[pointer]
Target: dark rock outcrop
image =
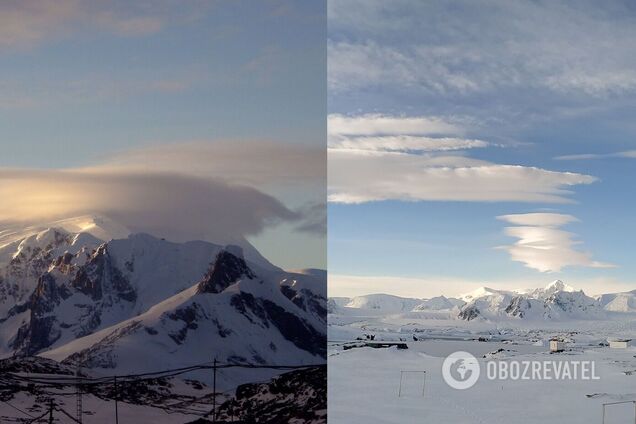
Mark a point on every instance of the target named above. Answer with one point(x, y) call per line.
point(228, 268)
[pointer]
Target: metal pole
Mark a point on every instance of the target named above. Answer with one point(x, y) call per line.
point(50, 411)
point(603, 413)
point(400, 390)
point(424, 384)
point(79, 395)
point(116, 396)
point(214, 393)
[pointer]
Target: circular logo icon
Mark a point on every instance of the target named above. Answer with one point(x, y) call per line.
point(460, 370)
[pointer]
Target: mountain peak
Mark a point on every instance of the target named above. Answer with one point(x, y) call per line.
point(100, 227)
point(481, 292)
point(228, 268)
point(97, 225)
point(558, 285)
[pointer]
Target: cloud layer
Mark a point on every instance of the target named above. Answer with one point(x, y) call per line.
point(194, 192)
point(177, 207)
point(372, 158)
point(256, 163)
point(543, 245)
point(472, 47)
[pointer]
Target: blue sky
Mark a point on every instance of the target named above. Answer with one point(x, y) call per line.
point(455, 135)
point(84, 83)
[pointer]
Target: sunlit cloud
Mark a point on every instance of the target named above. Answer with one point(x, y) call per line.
point(181, 192)
point(178, 207)
point(543, 245)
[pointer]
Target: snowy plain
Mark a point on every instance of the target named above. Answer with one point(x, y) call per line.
point(364, 382)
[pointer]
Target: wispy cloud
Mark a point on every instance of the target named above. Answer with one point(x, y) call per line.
point(379, 124)
point(405, 143)
point(377, 132)
point(469, 47)
point(631, 154)
point(31, 22)
point(543, 245)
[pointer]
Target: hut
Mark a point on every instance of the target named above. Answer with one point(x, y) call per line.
point(557, 345)
point(620, 343)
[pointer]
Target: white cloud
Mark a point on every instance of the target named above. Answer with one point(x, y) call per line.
point(543, 246)
point(539, 219)
point(379, 124)
point(404, 143)
point(377, 132)
point(375, 176)
point(377, 157)
point(630, 154)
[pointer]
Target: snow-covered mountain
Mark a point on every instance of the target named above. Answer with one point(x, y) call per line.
point(556, 301)
point(619, 302)
point(439, 303)
point(383, 302)
point(390, 304)
point(144, 303)
point(482, 292)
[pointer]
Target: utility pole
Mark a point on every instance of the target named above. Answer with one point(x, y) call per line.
point(78, 394)
point(51, 411)
point(214, 393)
point(116, 396)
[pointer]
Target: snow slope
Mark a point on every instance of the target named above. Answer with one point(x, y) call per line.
point(383, 302)
point(236, 313)
point(142, 302)
point(619, 302)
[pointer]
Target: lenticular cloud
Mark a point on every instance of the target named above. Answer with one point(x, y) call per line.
point(543, 245)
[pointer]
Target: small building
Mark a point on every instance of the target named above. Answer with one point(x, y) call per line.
point(620, 343)
point(557, 345)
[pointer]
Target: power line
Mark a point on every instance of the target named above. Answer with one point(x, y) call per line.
point(17, 409)
point(90, 384)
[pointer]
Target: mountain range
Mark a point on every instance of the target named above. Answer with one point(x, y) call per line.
point(87, 292)
point(556, 301)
